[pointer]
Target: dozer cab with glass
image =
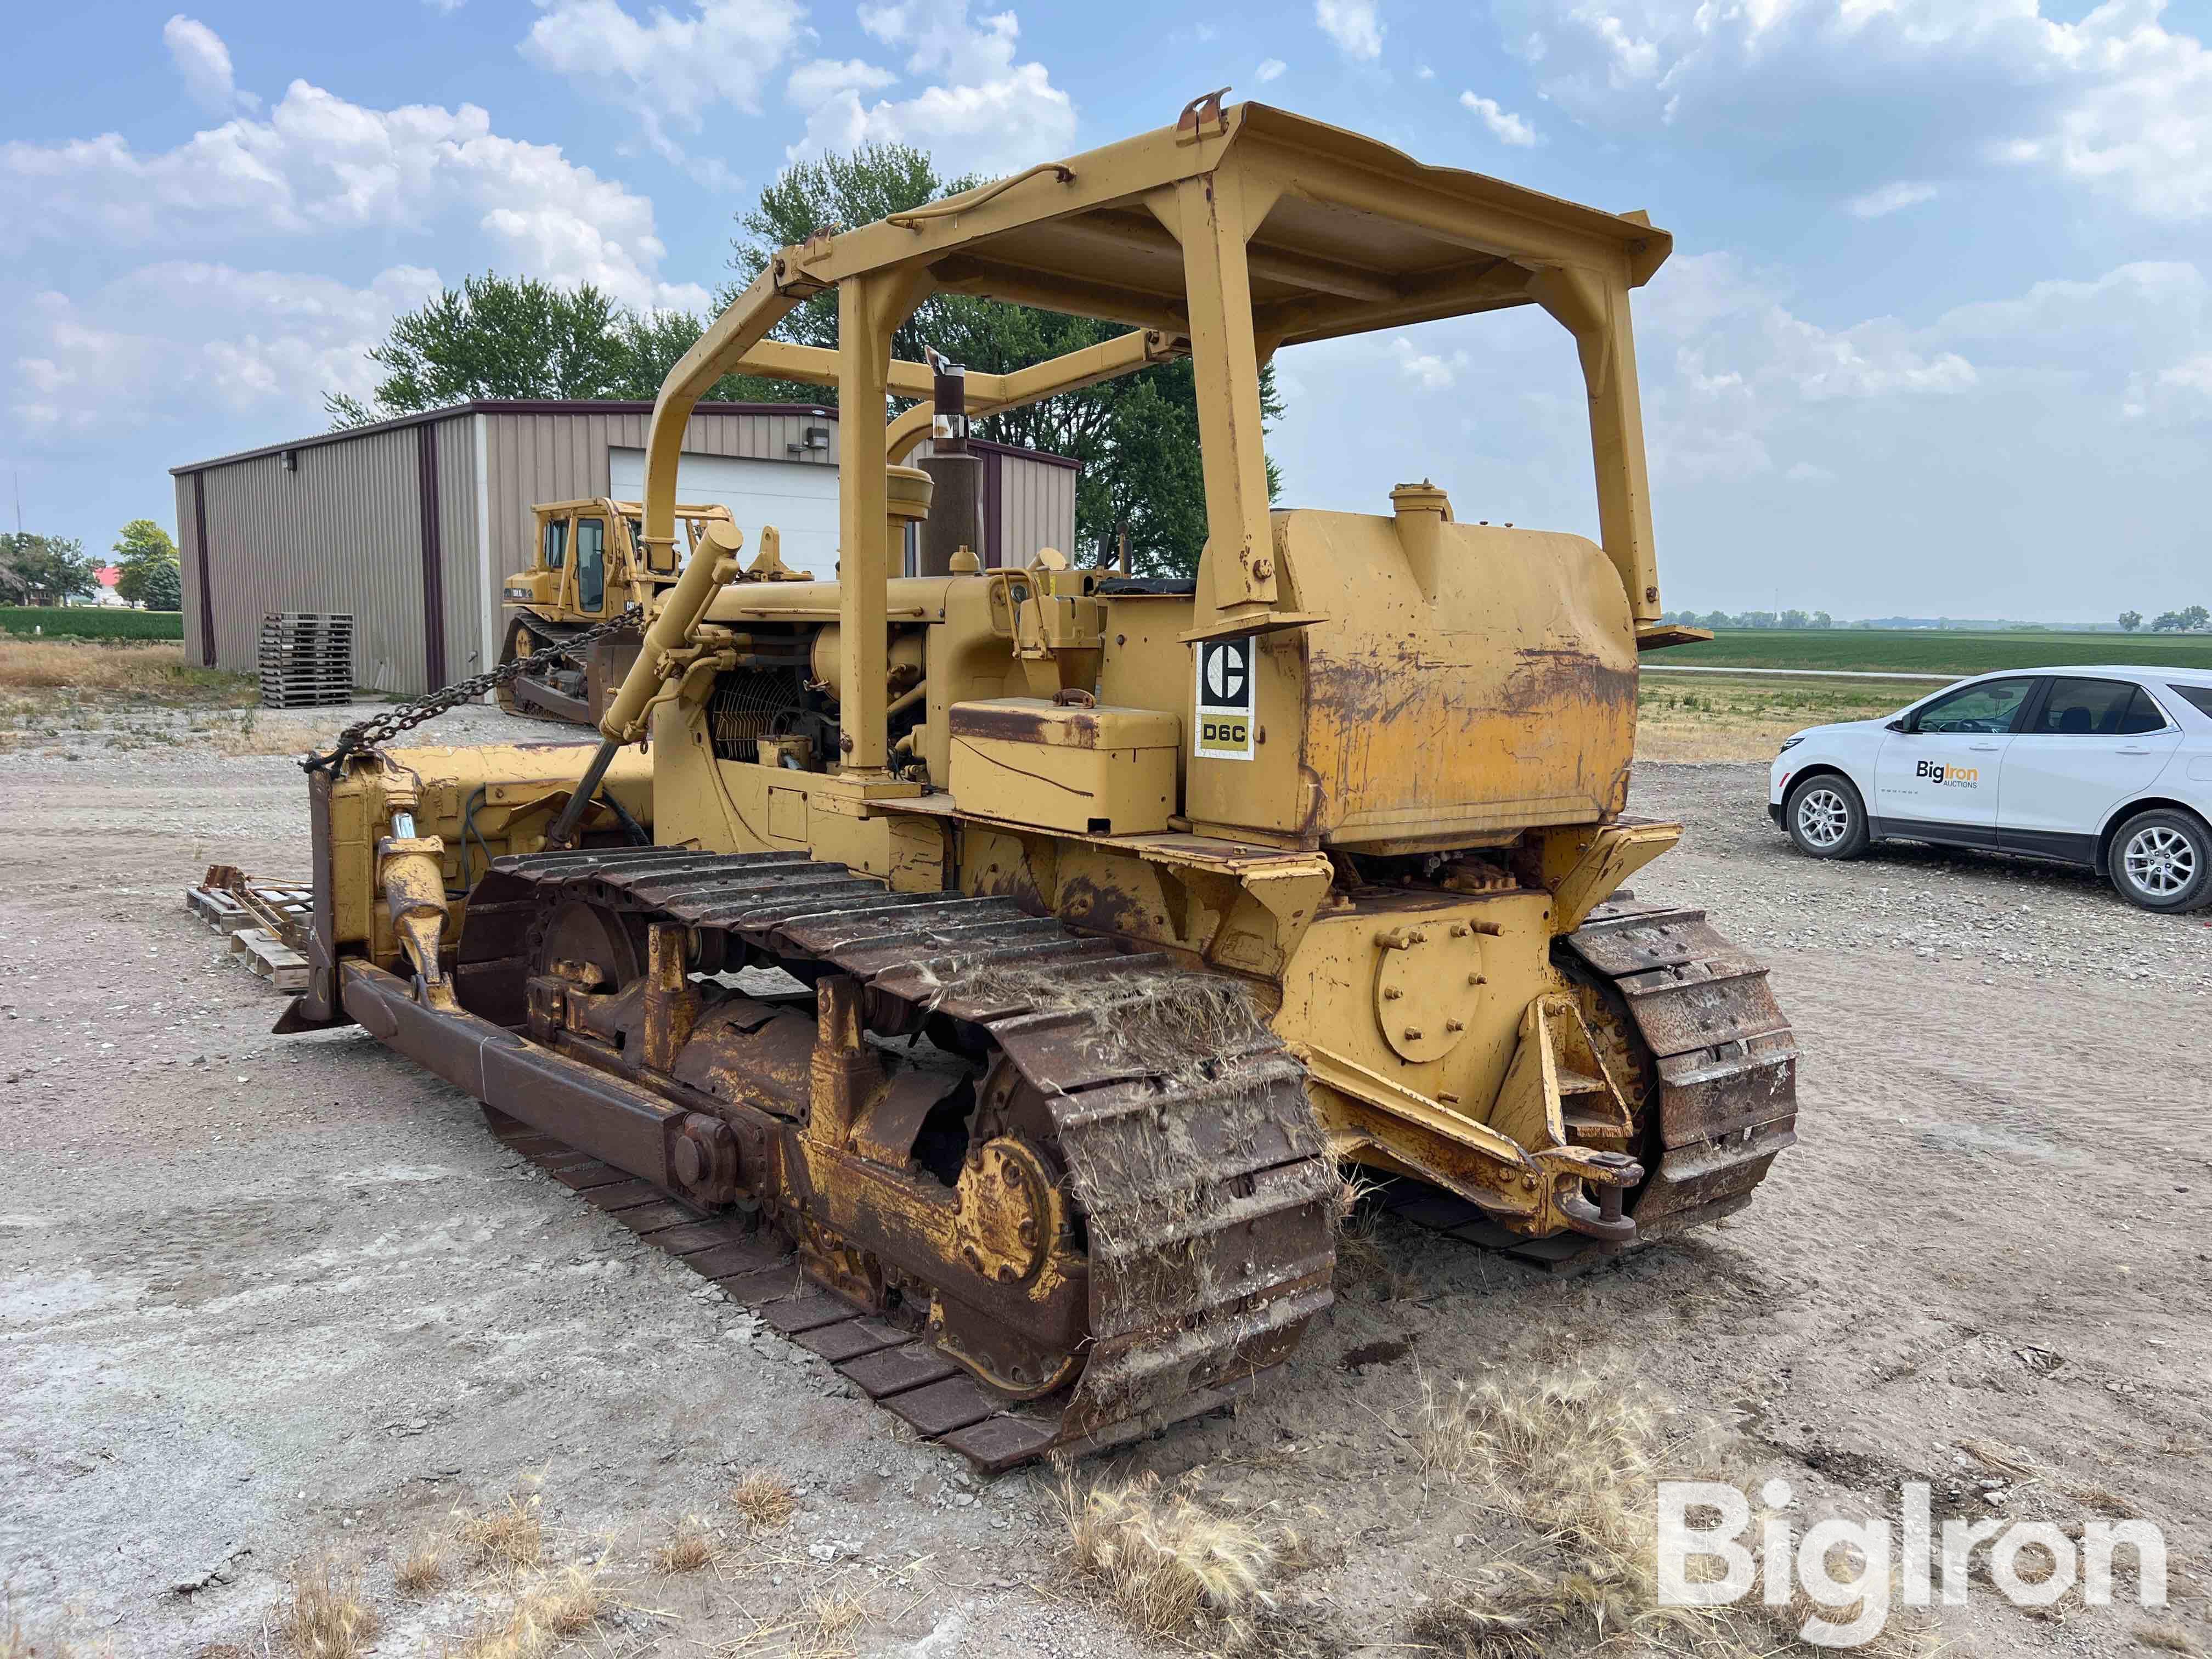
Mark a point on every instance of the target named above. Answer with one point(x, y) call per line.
point(985, 973)
point(585, 571)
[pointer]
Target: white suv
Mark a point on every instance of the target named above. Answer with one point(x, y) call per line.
point(2110, 768)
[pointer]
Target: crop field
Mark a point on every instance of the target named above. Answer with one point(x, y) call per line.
point(1717, 717)
point(1930, 651)
point(87, 622)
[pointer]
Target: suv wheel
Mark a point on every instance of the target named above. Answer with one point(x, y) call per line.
point(2162, 861)
point(1826, 818)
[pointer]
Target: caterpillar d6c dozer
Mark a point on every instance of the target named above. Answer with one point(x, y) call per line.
point(1110, 913)
point(585, 569)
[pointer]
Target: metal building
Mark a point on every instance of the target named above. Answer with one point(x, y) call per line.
point(410, 524)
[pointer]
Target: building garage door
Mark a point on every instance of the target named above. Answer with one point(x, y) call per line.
point(799, 498)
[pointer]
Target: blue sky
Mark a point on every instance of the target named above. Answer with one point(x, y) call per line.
point(1936, 336)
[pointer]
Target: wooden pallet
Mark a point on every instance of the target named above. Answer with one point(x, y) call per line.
point(270, 957)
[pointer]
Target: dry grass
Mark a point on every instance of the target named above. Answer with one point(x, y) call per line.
point(553, 1609)
point(142, 694)
point(151, 669)
point(2169, 1638)
point(1576, 1457)
point(1715, 717)
point(325, 1617)
point(821, 1626)
point(1167, 1561)
point(423, 1569)
point(765, 1501)
point(830, 1623)
point(689, 1547)
point(506, 1540)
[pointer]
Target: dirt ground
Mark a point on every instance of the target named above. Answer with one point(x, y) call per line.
point(265, 1301)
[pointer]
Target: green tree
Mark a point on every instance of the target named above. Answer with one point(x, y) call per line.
point(1137, 436)
point(47, 569)
point(147, 559)
point(497, 336)
point(2193, 619)
point(2131, 621)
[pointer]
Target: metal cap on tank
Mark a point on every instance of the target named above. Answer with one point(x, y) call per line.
point(907, 493)
point(1423, 512)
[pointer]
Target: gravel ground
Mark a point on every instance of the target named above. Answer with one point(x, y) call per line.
point(264, 1299)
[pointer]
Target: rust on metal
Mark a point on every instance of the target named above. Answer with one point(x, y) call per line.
point(1084, 1237)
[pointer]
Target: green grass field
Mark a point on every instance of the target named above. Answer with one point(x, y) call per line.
point(1914, 651)
point(86, 622)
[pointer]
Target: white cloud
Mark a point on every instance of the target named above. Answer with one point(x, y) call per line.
point(1425, 73)
point(721, 52)
point(2115, 99)
point(182, 336)
point(811, 83)
point(670, 69)
point(1892, 198)
point(984, 111)
point(1505, 126)
point(1268, 69)
point(2140, 115)
point(203, 61)
point(1354, 26)
point(1807, 473)
point(1429, 371)
point(319, 164)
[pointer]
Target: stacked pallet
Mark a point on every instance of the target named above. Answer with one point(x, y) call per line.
point(307, 658)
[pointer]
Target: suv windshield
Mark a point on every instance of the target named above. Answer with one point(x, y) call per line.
point(1991, 706)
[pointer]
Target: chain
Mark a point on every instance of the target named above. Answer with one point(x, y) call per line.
point(380, 728)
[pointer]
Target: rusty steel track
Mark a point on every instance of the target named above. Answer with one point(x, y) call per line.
point(1712, 1072)
point(1204, 1189)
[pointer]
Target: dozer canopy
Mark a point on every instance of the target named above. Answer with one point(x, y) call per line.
point(1238, 231)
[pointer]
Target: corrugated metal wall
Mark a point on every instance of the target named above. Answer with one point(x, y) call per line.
point(342, 532)
point(1036, 508)
point(470, 584)
point(561, 458)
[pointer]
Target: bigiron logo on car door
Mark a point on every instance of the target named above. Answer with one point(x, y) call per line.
point(1950, 776)
point(1221, 726)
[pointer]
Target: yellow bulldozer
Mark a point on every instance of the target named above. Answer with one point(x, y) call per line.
point(985, 973)
point(585, 570)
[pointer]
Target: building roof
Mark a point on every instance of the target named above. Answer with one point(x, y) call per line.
point(584, 406)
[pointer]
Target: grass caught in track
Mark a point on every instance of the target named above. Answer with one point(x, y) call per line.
point(90, 622)
point(1930, 651)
